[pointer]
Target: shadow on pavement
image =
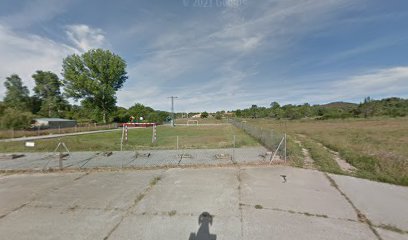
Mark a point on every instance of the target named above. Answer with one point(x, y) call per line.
point(204, 220)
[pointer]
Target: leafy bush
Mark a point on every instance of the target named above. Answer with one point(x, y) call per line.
point(16, 119)
point(218, 116)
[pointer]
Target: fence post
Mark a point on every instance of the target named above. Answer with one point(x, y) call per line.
point(154, 134)
point(38, 131)
point(276, 151)
point(233, 150)
point(60, 161)
point(177, 143)
point(285, 147)
point(121, 139)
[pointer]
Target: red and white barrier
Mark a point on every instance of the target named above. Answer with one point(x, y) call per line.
point(137, 124)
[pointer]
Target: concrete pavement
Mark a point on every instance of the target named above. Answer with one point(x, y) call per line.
point(382, 203)
point(244, 203)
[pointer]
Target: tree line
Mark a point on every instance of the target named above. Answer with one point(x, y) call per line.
point(391, 107)
point(92, 78)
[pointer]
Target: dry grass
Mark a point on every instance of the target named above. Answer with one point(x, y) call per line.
point(322, 158)
point(376, 147)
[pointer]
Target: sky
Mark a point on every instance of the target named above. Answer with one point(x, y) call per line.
point(218, 54)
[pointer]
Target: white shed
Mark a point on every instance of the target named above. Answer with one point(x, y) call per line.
point(54, 123)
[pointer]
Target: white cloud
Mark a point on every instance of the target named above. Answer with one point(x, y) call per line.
point(84, 37)
point(207, 65)
point(378, 82)
point(251, 43)
point(23, 54)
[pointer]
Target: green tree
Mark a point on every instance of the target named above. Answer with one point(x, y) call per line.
point(2, 108)
point(204, 115)
point(79, 113)
point(367, 108)
point(139, 110)
point(157, 116)
point(305, 110)
point(291, 112)
point(278, 113)
point(238, 113)
point(275, 110)
point(253, 110)
point(47, 90)
point(121, 115)
point(274, 105)
point(94, 77)
point(35, 104)
point(16, 119)
point(17, 95)
point(218, 115)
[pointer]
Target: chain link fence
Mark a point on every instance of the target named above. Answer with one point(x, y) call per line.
point(182, 146)
point(142, 152)
point(273, 140)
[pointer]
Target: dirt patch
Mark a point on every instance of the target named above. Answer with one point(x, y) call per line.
point(343, 164)
point(308, 160)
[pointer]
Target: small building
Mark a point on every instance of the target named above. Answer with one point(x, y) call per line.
point(53, 123)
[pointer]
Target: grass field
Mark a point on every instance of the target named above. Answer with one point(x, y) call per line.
point(201, 120)
point(376, 147)
point(189, 137)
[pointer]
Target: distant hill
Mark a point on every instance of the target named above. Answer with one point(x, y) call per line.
point(342, 105)
point(392, 107)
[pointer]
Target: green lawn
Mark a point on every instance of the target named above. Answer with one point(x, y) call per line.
point(189, 137)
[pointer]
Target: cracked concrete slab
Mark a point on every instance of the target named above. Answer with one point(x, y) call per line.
point(390, 235)
point(57, 223)
point(104, 190)
point(17, 190)
point(267, 224)
point(175, 227)
point(382, 203)
point(305, 191)
point(193, 191)
point(126, 205)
